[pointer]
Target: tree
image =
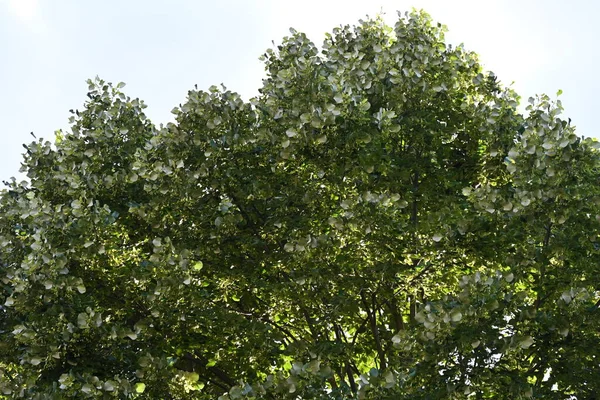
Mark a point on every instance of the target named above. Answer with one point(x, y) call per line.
point(381, 222)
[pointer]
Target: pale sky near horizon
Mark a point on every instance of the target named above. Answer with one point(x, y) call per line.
point(48, 48)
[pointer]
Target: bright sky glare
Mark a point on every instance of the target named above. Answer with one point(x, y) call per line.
point(48, 48)
point(24, 10)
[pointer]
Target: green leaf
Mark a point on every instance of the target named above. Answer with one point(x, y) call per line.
point(109, 386)
point(198, 265)
point(526, 342)
point(364, 105)
point(140, 387)
point(456, 315)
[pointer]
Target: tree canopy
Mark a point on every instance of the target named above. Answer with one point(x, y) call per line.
point(380, 222)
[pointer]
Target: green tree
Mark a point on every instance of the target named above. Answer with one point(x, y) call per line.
point(381, 222)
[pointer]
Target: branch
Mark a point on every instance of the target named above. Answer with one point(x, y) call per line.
point(342, 338)
point(264, 319)
point(360, 330)
point(397, 317)
point(374, 329)
point(278, 326)
point(546, 242)
point(351, 378)
point(216, 371)
point(310, 323)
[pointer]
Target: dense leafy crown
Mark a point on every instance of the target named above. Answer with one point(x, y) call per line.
point(379, 223)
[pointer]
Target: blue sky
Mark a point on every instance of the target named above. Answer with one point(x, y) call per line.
point(48, 48)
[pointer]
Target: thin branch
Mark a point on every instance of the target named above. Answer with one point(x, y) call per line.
point(264, 319)
point(216, 371)
point(373, 320)
point(360, 330)
point(543, 261)
point(340, 337)
point(310, 323)
point(396, 316)
point(350, 374)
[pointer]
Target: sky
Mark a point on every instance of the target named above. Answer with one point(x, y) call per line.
point(161, 49)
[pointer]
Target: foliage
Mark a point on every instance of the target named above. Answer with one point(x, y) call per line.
point(381, 222)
